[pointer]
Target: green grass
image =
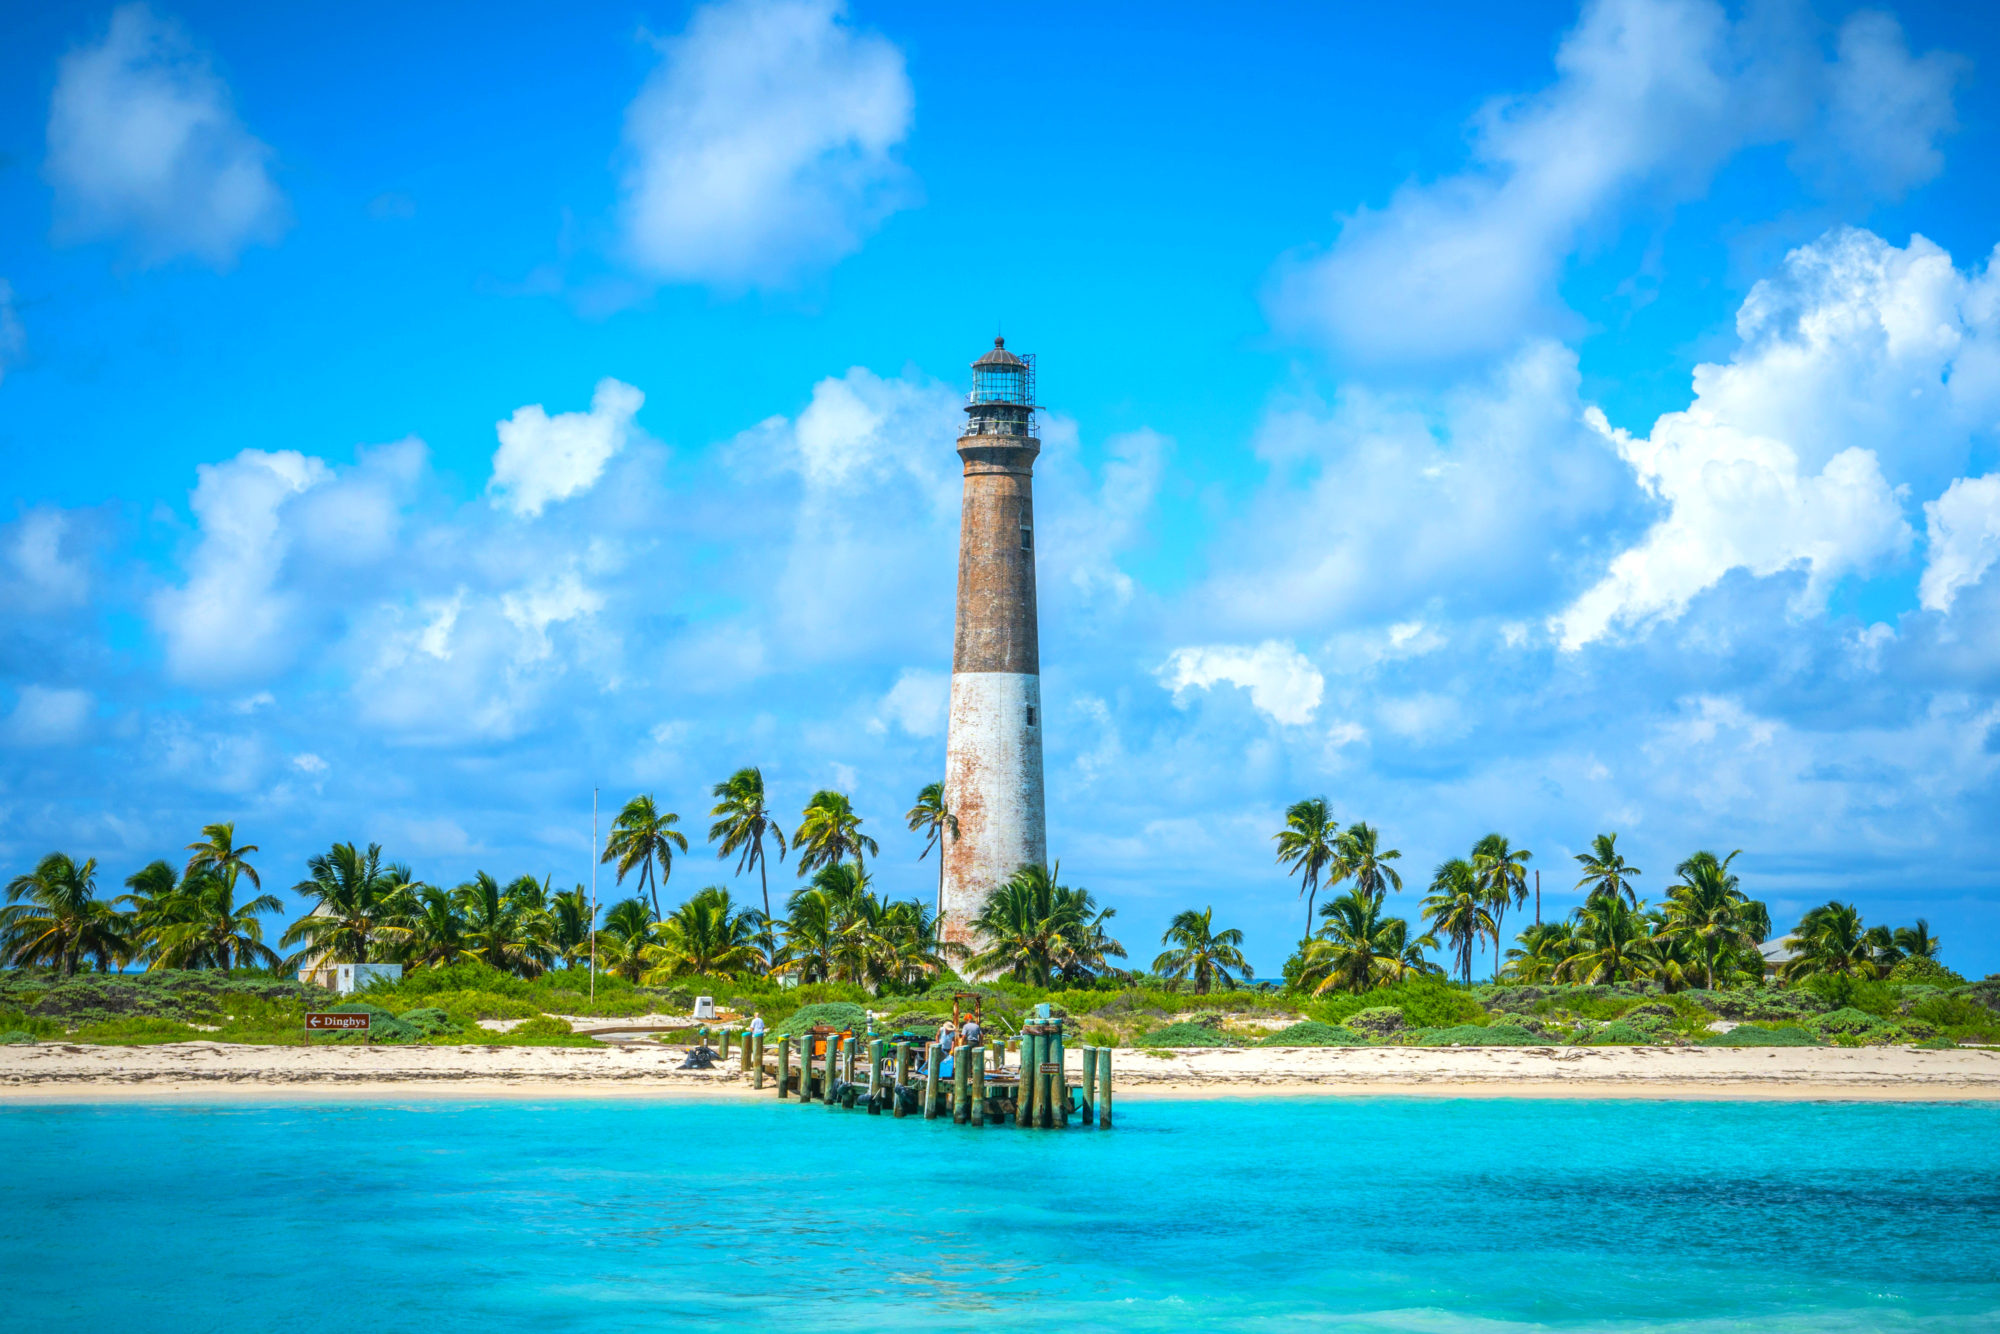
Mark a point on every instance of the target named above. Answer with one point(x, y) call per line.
point(1757, 1035)
point(1184, 1034)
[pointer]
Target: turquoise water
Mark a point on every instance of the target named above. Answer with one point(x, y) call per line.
point(1301, 1213)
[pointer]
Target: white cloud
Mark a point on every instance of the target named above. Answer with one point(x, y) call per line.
point(1964, 539)
point(233, 618)
point(1477, 499)
point(1650, 95)
point(1280, 679)
point(1885, 109)
point(48, 716)
point(145, 146)
point(12, 337)
point(1424, 716)
point(1863, 368)
point(916, 703)
point(41, 573)
point(308, 763)
point(543, 459)
point(550, 602)
point(764, 143)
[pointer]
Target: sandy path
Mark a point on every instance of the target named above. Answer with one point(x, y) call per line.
point(70, 1071)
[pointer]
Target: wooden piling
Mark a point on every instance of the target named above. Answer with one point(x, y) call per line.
point(756, 1060)
point(784, 1066)
point(850, 1049)
point(1024, 1096)
point(875, 1048)
point(832, 1069)
point(977, 1055)
point(1059, 1094)
point(930, 1081)
point(1086, 1090)
point(961, 1080)
point(1104, 1087)
point(725, 1043)
point(902, 1078)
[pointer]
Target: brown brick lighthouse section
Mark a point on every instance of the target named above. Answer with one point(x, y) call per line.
point(993, 753)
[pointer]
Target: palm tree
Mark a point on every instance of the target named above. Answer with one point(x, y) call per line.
point(1611, 935)
point(62, 921)
point(436, 927)
point(1039, 930)
point(356, 916)
point(1306, 848)
point(1916, 942)
point(151, 904)
point(216, 852)
point(494, 924)
point(743, 821)
point(829, 831)
point(209, 930)
point(1457, 911)
point(907, 947)
point(1201, 952)
point(1359, 948)
point(707, 935)
point(1544, 946)
point(1709, 910)
point(1605, 870)
point(933, 819)
point(627, 931)
point(1830, 939)
point(641, 835)
point(1359, 858)
point(1501, 872)
point(570, 911)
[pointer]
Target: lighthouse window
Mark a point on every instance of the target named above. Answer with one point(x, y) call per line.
point(1031, 715)
point(1027, 538)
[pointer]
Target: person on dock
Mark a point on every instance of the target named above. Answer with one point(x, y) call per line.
point(946, 1038)
point(757, 1023)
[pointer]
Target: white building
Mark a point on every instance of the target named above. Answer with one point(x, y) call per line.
point(347, 978)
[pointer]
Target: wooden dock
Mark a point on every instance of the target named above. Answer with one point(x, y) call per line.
point(848, 1070)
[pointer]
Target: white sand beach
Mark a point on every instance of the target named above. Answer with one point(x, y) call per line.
point(58, 1071)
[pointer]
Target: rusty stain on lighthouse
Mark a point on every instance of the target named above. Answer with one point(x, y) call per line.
point(993, 750)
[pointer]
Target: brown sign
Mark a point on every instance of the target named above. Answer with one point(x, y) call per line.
point(351, 1023)
point(1051, 1068)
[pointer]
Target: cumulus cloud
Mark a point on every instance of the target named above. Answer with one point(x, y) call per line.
point(1863, 368)
point(48, 716)
point(543, 459)
point(1964, 539)
point(1650, 95)
point(1886, 109)
point(764, 144)
point(43, 569)
point(916, 703)
point(1282, 682)
point(233, 618)
point(144, 146)
point(1481, 497)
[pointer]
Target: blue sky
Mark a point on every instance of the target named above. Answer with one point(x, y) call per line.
point(1541, 419)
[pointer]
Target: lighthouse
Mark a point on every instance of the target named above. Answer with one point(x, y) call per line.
point(993, 749)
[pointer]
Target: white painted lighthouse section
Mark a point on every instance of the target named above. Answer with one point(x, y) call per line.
point(993, 784)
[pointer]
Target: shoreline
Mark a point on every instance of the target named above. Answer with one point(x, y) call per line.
point(57, 1072)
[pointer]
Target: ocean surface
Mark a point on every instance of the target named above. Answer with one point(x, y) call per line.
point(1295, 1213)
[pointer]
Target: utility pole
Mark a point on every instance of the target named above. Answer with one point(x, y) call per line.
point(1538, 897)
point(593, 894)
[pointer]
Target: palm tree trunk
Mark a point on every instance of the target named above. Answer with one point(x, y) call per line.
point(764, 879)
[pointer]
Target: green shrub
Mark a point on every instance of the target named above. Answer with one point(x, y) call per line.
point(138, 1030)
point(1312, 1033)
point(1187, 1035)
point(1378, 1021)
point(833, 1014)
point(1951, 1011)
point(541, 1026)
point(15, 1036)
point(1853, 1027)
point(469, 1007)
point(465, 975)
point(1939, 1043)
point(383, 1025)
point(1473, 1035)
point(1623, 1033)
point(1752, 1035)
point(1425, 1002)
point(1927, 971)
point(430, 1022)
point(1852, 993)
